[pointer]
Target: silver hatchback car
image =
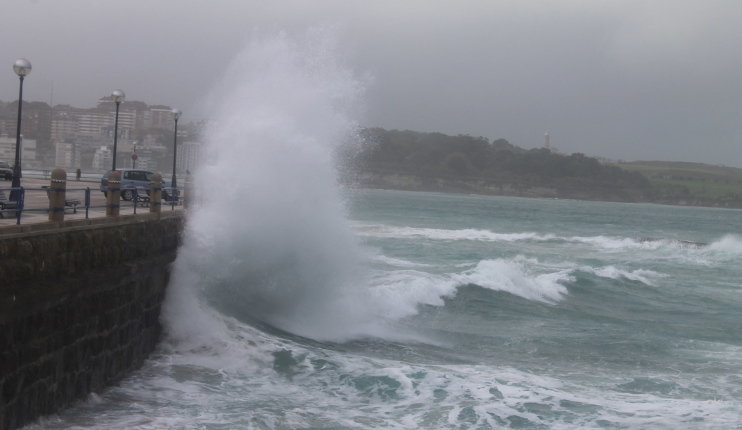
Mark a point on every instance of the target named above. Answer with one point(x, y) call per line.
point(131, 180)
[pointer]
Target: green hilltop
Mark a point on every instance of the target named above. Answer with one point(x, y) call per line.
point(410, 160)
point(700, 184)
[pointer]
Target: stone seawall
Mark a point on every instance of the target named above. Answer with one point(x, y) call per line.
point(79, 307)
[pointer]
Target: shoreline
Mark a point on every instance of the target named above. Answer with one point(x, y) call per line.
point(537, 196)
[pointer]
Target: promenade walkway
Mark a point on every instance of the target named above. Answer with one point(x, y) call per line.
point(37, 203)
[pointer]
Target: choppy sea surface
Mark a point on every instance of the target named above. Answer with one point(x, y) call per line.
point(460, 312)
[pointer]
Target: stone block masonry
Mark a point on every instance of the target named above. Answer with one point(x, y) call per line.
point(79, 307)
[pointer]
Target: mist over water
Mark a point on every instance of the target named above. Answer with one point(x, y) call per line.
point(269, 239)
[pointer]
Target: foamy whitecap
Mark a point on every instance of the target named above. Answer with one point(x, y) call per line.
point(397, 262)
point(444, 234)
point(517, 276)
point(610, 243)
point(611, 272)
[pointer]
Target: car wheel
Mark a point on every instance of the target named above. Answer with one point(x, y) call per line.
point(127, 195)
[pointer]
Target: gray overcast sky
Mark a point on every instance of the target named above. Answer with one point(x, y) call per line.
point(626, 79)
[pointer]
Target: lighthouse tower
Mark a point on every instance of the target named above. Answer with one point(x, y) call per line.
point(547, 144)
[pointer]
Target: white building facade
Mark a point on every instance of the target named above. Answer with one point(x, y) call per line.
point(28, 151)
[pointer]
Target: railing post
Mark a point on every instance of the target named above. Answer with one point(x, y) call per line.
point(19, 205)
point(113, 200)
point(87, 202)
point(188, 193)
point(57, 191)
point(155, 194)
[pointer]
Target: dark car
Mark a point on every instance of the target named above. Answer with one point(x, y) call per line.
point(131, 180)
point(5, 171)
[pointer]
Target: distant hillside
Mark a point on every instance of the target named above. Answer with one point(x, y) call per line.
point(683, 170)
point(691, 183)
point(438, 162)
point(413, 160)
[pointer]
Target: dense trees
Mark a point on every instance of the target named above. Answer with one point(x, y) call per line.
point(435, 161)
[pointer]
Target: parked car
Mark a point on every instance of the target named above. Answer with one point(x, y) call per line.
point(5, 171)
point(131, 180)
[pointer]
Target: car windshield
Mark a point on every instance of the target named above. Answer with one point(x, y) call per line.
point(4, 165)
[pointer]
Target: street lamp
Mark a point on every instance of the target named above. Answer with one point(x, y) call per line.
point(118, 97)
point(21, 67)
point(176, 116)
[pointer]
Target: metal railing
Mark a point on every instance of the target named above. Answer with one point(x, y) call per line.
point(85, 176)
point(140, 198)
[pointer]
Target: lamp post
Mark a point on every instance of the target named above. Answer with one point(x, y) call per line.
point(21, 67)
point(118, 97)
point(176, 116)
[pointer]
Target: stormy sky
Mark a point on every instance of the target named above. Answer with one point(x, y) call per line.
point(623, 79)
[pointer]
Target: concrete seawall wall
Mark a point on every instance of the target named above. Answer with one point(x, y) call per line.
point(79, 307)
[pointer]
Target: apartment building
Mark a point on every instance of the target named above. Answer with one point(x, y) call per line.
point(28, 151)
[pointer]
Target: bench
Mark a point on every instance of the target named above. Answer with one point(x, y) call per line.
point(6, 204)
point(140, 199)
point(68, 203)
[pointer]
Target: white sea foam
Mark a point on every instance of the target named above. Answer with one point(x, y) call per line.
point(611, 272)
point(445, 234)
point(730, 244)
point(282, 384)
point(397, 262)
point(614, 243)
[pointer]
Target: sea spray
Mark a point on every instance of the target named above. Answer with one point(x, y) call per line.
point(269, 239)
point(730, 244)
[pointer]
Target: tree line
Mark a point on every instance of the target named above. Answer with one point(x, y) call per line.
point(439, 162)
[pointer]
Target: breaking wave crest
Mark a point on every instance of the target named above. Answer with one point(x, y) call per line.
point(519, 276)
point(644, 276)
point(527, 278)
point(730, 243)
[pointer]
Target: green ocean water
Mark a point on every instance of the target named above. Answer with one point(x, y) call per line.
point(488, 312)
